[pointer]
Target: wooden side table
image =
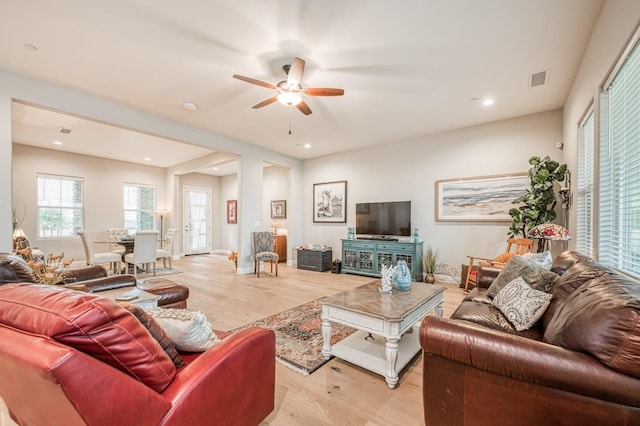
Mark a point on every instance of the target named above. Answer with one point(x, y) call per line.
point(280, 247)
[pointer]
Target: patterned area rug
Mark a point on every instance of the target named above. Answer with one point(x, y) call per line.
point(299, 336)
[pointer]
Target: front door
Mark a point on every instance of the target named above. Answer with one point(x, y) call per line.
point(196, 220)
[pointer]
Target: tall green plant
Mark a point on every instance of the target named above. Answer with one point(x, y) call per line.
point(538, 202)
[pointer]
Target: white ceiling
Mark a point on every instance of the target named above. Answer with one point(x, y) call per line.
point(408, 68)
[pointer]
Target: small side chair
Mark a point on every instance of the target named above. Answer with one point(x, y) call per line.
point(263, 243)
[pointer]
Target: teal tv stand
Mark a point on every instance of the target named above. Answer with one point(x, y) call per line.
point(366, 257)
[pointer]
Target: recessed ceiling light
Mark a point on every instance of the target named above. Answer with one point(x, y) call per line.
point(487, 102)
point(189, 106)
point(57, 143)
point(215, 169)
point(30, 46)
point(147, 159)
point(307, 145)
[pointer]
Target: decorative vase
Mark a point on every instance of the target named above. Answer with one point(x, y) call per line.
point(429, 279)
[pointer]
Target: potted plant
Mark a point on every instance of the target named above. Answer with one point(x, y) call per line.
point(430, 262)
point(538, 202)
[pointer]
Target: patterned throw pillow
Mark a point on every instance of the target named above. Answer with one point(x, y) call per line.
point(189, 330)
point(521, 304)
point(535, 275)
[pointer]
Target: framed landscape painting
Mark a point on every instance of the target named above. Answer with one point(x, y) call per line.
point(479, 199)
point(330, 202)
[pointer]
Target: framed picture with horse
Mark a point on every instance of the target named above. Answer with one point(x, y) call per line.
point(330, 202)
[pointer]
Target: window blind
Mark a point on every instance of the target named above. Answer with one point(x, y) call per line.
point(619, 215)
point(139, 207)
point(60, 206)
point(585, 196)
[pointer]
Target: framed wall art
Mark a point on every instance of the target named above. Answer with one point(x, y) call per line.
point(279, 209)
point(232, 211)
point(330, 202)
point(479, 199)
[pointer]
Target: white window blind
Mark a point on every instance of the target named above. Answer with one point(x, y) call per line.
point(585, 196)
point(60, 206)
point(619, 223)
point(139, 207)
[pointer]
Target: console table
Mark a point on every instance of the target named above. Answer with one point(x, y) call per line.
point(366, 257)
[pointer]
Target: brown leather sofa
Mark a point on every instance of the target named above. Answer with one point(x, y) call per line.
point(72, 358)
point(578, 365)
point(92, 279)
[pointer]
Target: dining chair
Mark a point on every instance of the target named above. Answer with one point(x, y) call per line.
point(144, 250)
point(92, 258)
point(114, 235)
point(166, 250)
point(263, 243)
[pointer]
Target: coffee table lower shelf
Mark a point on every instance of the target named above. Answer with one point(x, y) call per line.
point(371, 355)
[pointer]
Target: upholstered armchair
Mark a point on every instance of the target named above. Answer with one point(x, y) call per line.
point(73, 358)
point(263, 244)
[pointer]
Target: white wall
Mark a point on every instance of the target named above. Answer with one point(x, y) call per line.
point(408, 170)
point(616, 24)
point(103, 194)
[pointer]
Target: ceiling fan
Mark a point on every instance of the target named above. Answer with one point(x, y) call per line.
point(289, 91)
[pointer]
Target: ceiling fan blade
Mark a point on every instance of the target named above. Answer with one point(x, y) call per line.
point(295, 73)
point(254, 81)
point(266, 102)
point(323, 91)
point(304, 108)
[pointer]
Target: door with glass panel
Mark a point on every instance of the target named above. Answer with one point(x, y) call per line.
point(196, 218)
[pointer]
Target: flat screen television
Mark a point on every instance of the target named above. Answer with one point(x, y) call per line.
point(391, 218)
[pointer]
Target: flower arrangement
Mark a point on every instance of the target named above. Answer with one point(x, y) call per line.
point(234, 257)
point(52, 270)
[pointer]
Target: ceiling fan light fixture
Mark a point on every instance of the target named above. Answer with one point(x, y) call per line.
point(289, 98)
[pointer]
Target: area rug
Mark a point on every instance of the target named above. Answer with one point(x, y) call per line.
point(299, 336)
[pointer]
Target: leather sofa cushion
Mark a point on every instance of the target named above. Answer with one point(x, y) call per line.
point(567, 259)
point(14, 269)
point(601, 318)
point(91, 324)
point(482, 312)
point(572, 279)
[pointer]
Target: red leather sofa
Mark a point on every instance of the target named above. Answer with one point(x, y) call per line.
point(578, 365)
point(73, 358)
point(92, 279)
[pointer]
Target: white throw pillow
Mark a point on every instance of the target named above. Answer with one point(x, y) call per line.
point(189, 330)
point(543, 259)
point(521, 304)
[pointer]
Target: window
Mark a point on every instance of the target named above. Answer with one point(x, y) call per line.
point(585, 198)
point(619, 161)
point(139, 207)
point(60, 206)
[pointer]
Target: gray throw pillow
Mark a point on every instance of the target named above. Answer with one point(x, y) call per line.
point(536, 276)
point(521, 304)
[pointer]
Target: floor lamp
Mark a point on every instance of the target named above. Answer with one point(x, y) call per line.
point(162, 214)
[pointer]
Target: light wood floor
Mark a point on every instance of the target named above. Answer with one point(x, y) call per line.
point(338, 393)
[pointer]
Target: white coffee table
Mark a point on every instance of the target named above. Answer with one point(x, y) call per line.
point(388, 324)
